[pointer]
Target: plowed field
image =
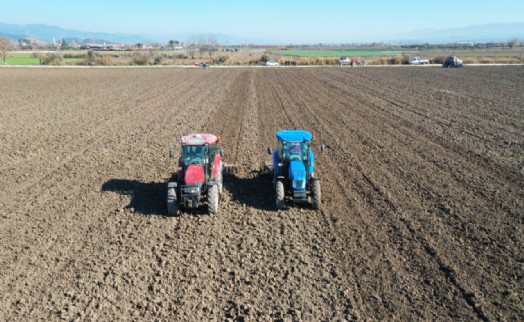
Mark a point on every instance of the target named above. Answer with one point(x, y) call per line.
point(423, 195)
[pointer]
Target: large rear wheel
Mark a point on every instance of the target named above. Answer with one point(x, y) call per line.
point(316, 202)
point(172, 202)
point(279, 187)
point(213, 199)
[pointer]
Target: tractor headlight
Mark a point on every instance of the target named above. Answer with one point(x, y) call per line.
point(294, 184)
point(192, 191)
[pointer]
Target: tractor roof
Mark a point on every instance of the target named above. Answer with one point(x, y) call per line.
point(294, 136)
point(198, 139)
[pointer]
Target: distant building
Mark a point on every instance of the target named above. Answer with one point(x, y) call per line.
point(115, 47)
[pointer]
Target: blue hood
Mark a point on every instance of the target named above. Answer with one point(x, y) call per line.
point(297, 174)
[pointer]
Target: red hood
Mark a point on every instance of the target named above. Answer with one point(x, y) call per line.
point(194, 174)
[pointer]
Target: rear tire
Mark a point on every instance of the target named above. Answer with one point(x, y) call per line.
point(317, 195)
point(172, 202)
point(279, 187)
point(213, 199)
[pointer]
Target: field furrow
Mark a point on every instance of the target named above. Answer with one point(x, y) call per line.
point(422, 185)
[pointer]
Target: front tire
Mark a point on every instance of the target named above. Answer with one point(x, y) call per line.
point(279, 187)
point(317, 195)
point(172, 202)
point(213, 199)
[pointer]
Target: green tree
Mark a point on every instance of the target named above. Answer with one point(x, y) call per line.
point(264, 58)
point(173, 43)
point(24, 43)
point(64, 45)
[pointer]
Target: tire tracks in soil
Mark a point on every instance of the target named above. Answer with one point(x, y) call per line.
point(345, 302)
point(316, 91)
point(472, 227)
point(79, 128)
point(154, 261)
point(461, 123)
point(367, 255)
point(145, 112)
point(472, 297)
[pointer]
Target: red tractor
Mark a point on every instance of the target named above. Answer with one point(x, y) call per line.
point(199, 177)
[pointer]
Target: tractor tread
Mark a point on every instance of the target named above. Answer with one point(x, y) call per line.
point(213, 199)
point(172, 202)
point(317, 195)
point(280, 194)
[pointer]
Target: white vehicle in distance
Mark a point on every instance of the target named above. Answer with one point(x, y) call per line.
point(418, 61)
point(272, 63)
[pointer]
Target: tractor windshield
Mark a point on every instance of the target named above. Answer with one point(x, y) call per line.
point(295, 151)
point(194, 154)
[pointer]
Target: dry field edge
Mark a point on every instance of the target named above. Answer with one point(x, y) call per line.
point(252, 66)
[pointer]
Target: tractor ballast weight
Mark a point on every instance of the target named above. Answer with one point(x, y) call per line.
point(294, 169)
point(199, 176)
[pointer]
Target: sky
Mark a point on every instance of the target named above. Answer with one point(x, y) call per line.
point(283, 21)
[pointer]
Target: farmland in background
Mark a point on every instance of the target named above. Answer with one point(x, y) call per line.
point(254, 56)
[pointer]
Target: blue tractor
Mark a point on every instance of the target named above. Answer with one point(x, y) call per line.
point(294, 169)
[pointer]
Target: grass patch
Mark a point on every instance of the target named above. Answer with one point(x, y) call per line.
point(73, 60)
point(25, 60)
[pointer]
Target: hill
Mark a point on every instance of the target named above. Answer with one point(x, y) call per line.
point(48, 33)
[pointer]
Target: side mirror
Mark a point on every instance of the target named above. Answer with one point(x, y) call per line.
point(269, 151)
point(322, 148)
point(221, 153)
point(171, 153)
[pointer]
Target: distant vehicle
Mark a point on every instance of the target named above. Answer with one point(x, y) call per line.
point(452, 61)
point(418, 61)
point(202, 65)
point(272, 63)
point(344, 60)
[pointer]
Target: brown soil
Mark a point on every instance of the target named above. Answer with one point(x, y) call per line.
point(423, 195)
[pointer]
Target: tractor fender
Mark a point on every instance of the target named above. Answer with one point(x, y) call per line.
point(278, 179)
point(217, 166)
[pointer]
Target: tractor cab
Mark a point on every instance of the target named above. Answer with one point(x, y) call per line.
point(201, 156)
point(293, 152)
point(195, 155)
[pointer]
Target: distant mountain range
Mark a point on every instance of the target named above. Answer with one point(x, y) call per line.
point(47, 33)
point(44, 33)
point(495, 32)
